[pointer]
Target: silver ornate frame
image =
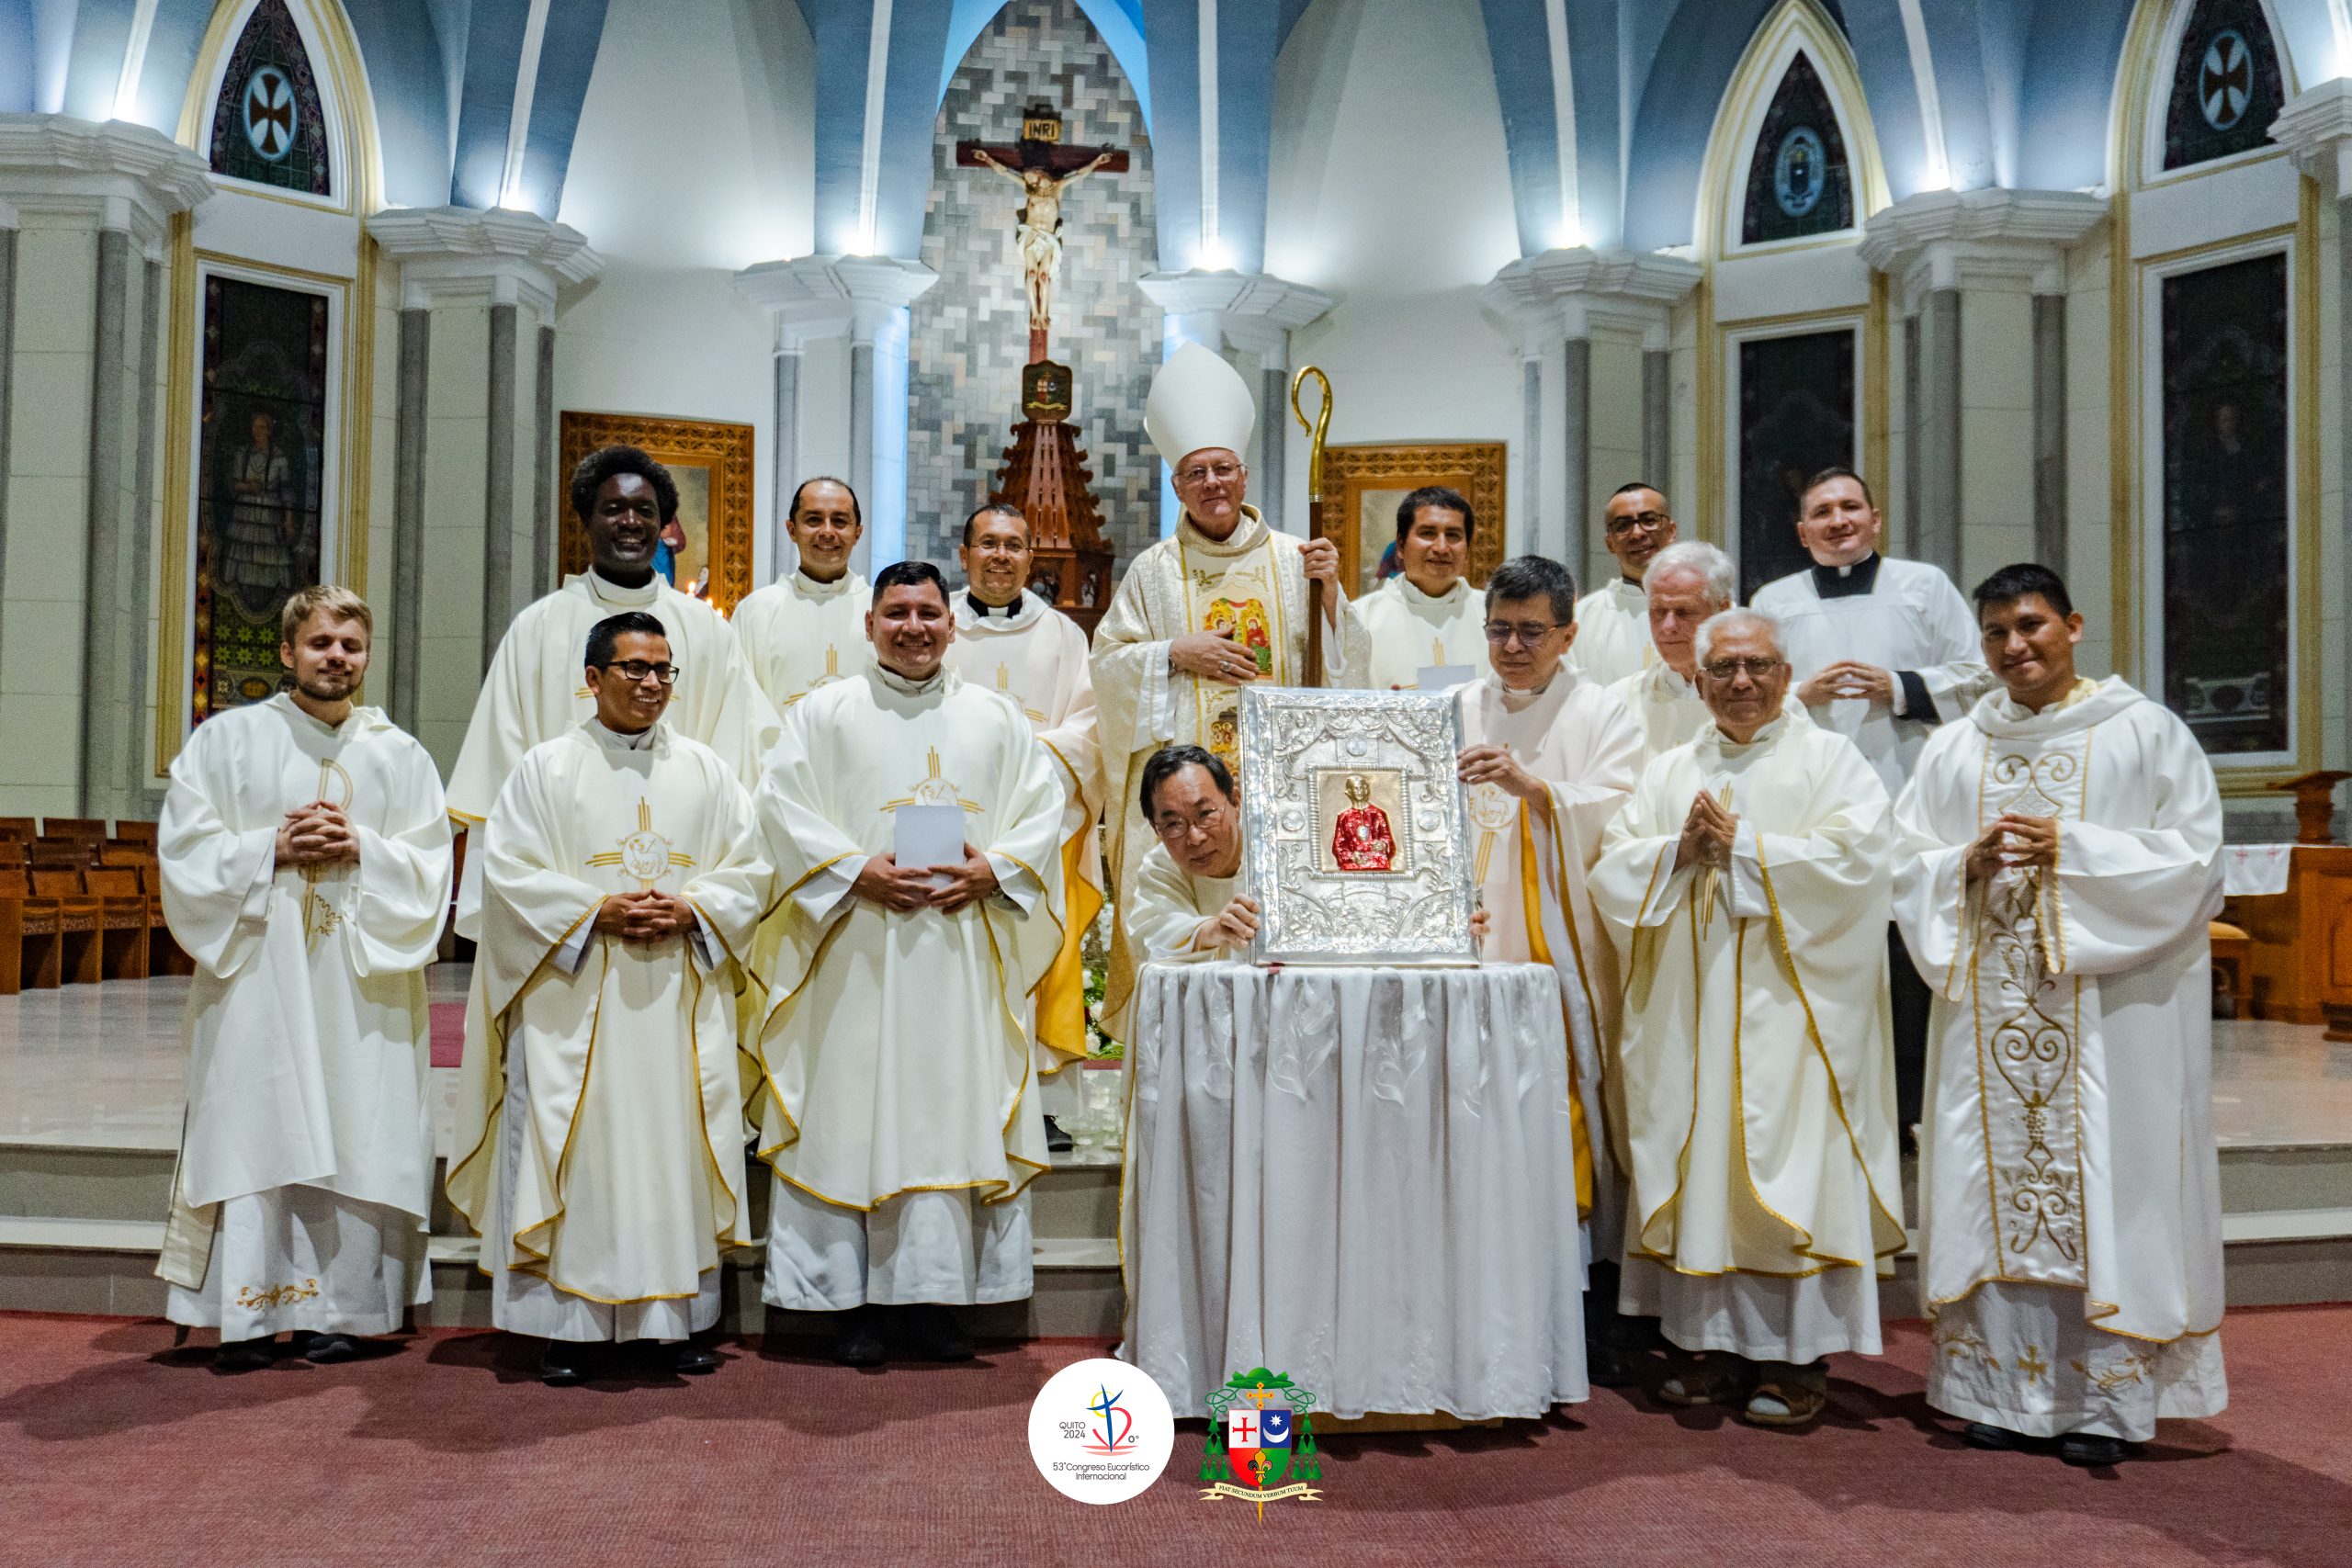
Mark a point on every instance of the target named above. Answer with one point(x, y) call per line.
point(1419, 916)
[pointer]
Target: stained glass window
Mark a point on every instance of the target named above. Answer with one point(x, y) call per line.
point(267, 126)
point(2225, 85)
point(2226, 610)
point(1798, 182)
point(1796, 418)
point(259, 508)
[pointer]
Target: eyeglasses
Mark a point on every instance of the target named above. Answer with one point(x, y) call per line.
point(1754, 669)
point(1648, 522)
point(1178, 828)
point(1528, 633)
point(634, 671)
point(1200, 474)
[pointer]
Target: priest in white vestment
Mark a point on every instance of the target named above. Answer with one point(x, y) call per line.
point(1686, 585)
point(1747, 885)
point(1884, 651)
point(1613, 632)
point(1428, 615)
point(2060, 861)
point(603, 1123)
point(1200, 615)
point(1010, 640)
point(900, 1107)
point(1548, 758)
point(1189, 901)
point(305, 857)
point(808, 625)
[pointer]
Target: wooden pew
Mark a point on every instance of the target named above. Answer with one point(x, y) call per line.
point(123, 919)
point(31, 940)
point(81, 931)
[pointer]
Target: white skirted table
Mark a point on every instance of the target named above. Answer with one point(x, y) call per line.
point(1363, 1178)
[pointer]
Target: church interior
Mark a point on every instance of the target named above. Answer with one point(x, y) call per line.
point(298, 291)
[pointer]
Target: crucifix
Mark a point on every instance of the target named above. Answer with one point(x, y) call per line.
point(1045, 168)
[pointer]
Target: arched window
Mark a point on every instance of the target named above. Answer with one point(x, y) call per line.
point(1798, 180)
point(267, 125)
point(2226, 86)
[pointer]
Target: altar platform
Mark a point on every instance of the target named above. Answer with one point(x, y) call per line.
point(92, 1079)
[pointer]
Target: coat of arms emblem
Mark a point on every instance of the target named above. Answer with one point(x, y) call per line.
point(1261, 1441)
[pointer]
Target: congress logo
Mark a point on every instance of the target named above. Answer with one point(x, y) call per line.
point(1101, 1431)
point(1261, 1441)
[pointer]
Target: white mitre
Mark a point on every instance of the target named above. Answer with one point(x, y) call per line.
point(1198, 402)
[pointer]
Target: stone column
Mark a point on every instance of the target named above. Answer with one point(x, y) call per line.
point(470, 432)
point(88, 208)
point(1605, 316)
point(1983, 276)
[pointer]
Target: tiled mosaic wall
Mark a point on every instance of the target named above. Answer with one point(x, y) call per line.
point(970, 331)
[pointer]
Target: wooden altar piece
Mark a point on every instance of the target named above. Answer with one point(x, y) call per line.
point(1045, 474)
point(2301, 957)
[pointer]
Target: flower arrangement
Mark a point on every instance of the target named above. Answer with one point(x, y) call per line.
point(1094, 956)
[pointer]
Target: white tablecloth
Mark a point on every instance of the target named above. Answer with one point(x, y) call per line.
point(1363, 1178)
point(2255, 870)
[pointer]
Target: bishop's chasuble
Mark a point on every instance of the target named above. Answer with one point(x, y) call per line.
point(898, 1109)
point(797, 633)
point(1038, 658)
point(604, 1126)
point(1170, 906)
point(1251, 584)
point(1759, 1083)
point(305, 1178)
point(2069, 1190)
point(1613, 634)
point(1531, 862)
point(1405, 630)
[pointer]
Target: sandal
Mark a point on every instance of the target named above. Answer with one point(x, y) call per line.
point(1727, 1381)
point(1798, 1405)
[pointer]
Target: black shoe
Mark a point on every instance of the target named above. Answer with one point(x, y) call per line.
point(245, 1355)
point(1605, 1366)
point(857, 1341)
point(562, 1364)
point(1057, 1141)
point(1985, 1435)
point(693, 1359)
point(325, 1350)
point(2093, 1452)
point(937, 1334)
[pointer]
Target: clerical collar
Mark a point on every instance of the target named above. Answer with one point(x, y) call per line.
point(1771, 728)
point(907, 688)
point(1516, 700)
point(1846, 581)
point(2017, 712)
point(614, 740)
point(1447, 599)
point(811, 589)
point(612, 593)
point(992, 611)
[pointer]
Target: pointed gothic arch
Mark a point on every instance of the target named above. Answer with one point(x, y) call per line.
point(247, 37)
point(1769, 78)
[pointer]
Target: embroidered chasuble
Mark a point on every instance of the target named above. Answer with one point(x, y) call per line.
point(896, 1053)
point(1405, 629)
point(1613, 634)
point(604, 1123)
point(1037, 657)
point(799, 633)
point(2069, 1187)
point(1172, 904)
point(1757, 1071)
point(1531, 862)
point(305, 1176)
point(1252, 585)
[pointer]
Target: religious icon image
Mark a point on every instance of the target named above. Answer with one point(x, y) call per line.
point(1361, 839)
point(1245, 622)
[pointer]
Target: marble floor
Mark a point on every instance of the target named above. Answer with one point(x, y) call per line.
point(103, 1067)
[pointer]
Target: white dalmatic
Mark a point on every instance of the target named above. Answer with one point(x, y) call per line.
point(799, 633)
point(1171, 905)
point(536, 691)
point(1612, 633)
point(305, 1178)
point(899, 1109)
point(1758, 1073)
point(1037, 657)
point(604, 1123)
point(1407, 631)
point(2069, 1187)
point(1905, 617)
point(1532, 861)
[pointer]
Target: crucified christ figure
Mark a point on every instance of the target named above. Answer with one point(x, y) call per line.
point(1040, 229)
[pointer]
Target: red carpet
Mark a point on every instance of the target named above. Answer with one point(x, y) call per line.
point(449, 1023)
point(113, 1449)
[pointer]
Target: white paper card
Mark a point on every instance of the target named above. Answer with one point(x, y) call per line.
point(1439, 677)
point(928, 837)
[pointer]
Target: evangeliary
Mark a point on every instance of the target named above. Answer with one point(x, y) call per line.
point(1612, 621)
point(1428, 615)
point(305, 857)
point(1746, 886)
point(2060, 853)
point(1197, 616)
point(1010, 641)
point(808, 625)
point(898, 1109)
point(604, 1119)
